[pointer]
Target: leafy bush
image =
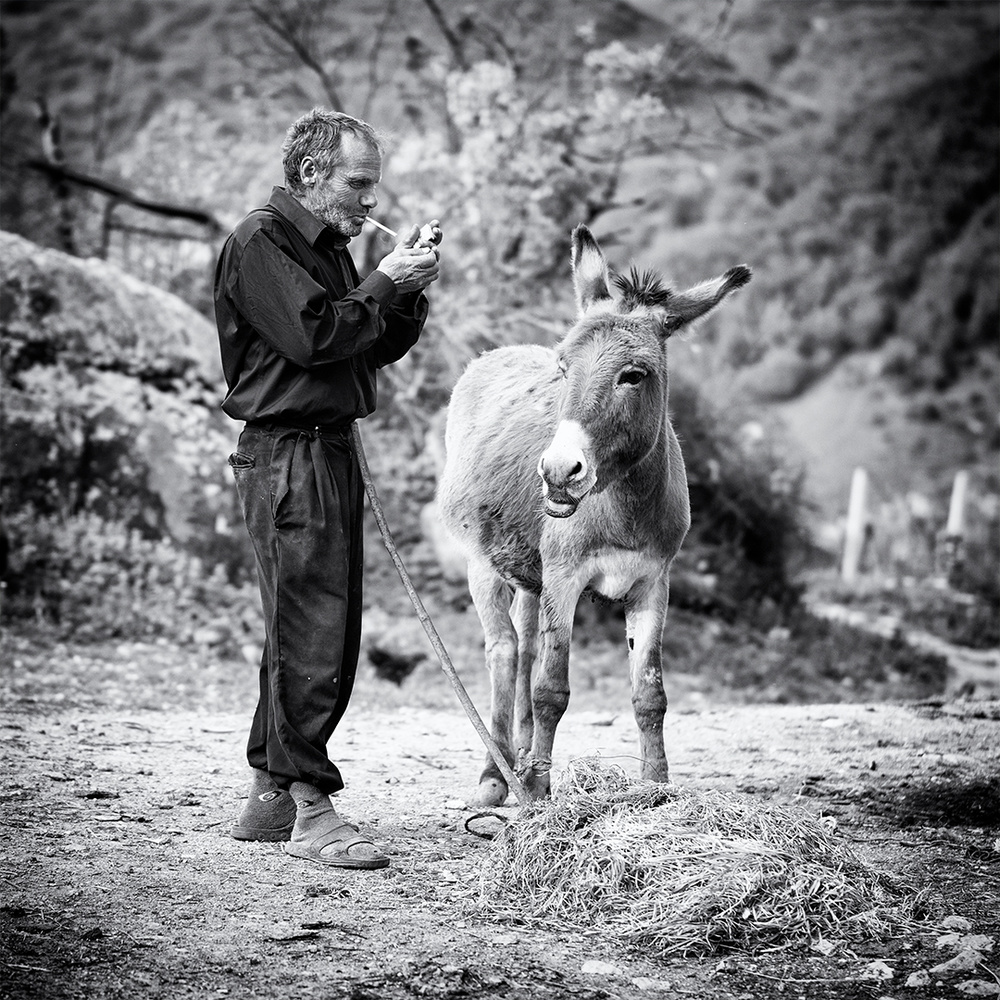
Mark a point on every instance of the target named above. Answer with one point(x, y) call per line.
point(118, 507)
point(89, 578)
point(747, 511)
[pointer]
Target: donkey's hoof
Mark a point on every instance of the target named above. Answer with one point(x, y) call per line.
point(492, 792)
point(537, 785)
point(656, 770)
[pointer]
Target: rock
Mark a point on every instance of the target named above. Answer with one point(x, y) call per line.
point(965, 961)
point(952, 940)
point(598, 968)
point(958, 942)
point(978, 988)
point(956, 923)
point(977, 942)
point(395, 646)
point(645, 983)
point(919, 979)
point(877, 970)
point(120, 382)
point(89, 313)
point(825, 946)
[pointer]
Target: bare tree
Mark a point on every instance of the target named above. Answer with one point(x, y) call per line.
point(301, 29)
point(55, 159)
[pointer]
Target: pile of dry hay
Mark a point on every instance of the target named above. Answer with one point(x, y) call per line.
point(681, 871)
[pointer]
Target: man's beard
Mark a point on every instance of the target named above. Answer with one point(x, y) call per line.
point(339, 219)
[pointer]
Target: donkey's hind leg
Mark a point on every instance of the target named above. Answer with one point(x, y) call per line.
point(492, 597)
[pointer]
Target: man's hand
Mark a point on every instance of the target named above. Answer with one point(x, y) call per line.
point(430, 234)
point(414, 261)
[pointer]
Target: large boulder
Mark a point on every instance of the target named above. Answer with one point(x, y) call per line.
point(110, 412)
point(55, 308)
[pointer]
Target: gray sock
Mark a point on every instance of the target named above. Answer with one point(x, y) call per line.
point(307, 795)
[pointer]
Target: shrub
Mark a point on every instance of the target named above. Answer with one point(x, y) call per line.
point(747, 508)
point(91, 579)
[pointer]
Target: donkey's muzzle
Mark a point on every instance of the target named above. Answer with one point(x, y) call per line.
point(567, 474)
point(559, 503)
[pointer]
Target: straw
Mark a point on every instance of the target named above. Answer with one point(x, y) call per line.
point(680, 871)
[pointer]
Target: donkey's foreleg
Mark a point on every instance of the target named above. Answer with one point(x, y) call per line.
point(492, 598)
point(525, 615)
point(644, 618)
point(550, 690)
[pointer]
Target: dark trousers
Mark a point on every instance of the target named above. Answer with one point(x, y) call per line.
point(302, 499)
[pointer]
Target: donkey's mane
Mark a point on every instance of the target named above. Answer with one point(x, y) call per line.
point(641, 288)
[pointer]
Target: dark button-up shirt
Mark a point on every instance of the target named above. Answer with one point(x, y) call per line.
point(301, 335)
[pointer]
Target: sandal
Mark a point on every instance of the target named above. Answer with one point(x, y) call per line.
point(316, 828)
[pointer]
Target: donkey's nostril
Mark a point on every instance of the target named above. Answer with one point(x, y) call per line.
point(562, 470)
point(564, 462)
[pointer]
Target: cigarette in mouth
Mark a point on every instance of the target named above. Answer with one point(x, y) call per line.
point(378, 225)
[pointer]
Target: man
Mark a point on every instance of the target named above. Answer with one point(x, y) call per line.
point(301, 338)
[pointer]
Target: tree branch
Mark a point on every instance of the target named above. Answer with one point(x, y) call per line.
point(454, 43)
point(123, 194)
point(285, 30)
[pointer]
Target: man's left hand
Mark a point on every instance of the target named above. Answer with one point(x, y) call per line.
point(429, 235)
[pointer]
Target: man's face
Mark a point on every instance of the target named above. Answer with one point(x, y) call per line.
point(344, 198)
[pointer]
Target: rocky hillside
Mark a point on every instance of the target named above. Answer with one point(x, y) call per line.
point(867, 202)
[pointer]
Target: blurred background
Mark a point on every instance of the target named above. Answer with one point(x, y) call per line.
point(846, 151)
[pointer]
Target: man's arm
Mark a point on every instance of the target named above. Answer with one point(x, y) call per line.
point(406, 316)
point(296, 316)
point(404, 321)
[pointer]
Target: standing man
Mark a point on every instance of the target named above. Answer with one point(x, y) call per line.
point(301, 338)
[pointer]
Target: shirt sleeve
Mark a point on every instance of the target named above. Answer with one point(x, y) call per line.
point(296, 315)
point(404, 320)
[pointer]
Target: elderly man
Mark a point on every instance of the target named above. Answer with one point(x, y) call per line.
point(301, 337)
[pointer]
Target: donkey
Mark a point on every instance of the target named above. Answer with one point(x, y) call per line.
point(563, 476)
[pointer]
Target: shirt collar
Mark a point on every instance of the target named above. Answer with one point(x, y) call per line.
point(304, 221)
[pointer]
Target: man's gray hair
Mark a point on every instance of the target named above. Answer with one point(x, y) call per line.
point(319, 134)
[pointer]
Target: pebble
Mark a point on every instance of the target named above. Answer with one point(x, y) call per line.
point(978, 988)
point(645, 983)
point(877, 970)
point(598, 968)
point(956, 923)
point(965, 961)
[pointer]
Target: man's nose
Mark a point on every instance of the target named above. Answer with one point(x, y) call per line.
point(369, 199)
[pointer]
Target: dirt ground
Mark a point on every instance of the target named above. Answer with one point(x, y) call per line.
point(124, 769)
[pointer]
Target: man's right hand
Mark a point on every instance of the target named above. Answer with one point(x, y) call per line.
point(412, 268)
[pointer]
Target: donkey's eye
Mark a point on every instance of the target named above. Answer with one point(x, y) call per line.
point(563, 368)
point(631, 376)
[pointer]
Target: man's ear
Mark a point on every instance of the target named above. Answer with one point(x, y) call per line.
point(307, 170)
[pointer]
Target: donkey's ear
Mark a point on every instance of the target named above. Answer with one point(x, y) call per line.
point(590, 270)
point(693, 303)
